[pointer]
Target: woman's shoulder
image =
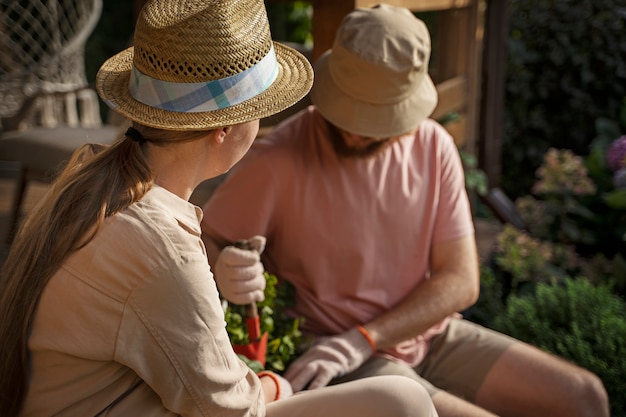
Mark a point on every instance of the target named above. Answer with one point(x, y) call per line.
point(158, 227)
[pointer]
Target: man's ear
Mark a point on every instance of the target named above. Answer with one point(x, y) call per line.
point(221, 133)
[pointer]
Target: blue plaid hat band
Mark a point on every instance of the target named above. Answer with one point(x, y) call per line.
point(204, 96)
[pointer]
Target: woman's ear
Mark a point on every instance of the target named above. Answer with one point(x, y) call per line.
point(221, 133)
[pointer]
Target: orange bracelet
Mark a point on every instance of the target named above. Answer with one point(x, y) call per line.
point(274, 378)
point(367, 336)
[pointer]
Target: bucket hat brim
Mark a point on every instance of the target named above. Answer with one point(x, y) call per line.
point(292, 83)
point(369, 119)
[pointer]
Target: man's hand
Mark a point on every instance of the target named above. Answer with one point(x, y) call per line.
point(329, 358)
point(239, 272)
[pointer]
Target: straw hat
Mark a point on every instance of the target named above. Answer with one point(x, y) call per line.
point(374, 81)
point(199, 65)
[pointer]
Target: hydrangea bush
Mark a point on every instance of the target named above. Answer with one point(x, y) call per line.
point(575, 220)
point(560, 282)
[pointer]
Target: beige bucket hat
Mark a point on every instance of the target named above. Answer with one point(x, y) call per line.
point(199, 65)
point(374, 81)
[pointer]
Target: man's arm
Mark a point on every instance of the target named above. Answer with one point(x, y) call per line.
point(237, 269)
point(213, 242)
point(453, 286)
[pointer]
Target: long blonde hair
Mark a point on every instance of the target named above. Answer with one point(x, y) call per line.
point(96, 183)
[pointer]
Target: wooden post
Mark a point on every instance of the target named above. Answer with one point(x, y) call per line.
point(456, 53)
point(327, 16)
point(491, 115)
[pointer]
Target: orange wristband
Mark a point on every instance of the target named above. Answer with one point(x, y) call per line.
point(367, 336)
point(275, 379)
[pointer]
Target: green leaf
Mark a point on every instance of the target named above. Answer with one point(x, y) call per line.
point(615, 199)
point(284, 335)
point(607, 128)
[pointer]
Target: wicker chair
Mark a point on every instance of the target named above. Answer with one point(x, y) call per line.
point(47, 109)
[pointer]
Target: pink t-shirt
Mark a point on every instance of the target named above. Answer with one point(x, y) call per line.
point(352, 235)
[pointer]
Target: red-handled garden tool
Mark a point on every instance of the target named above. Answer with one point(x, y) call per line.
point(256, 349)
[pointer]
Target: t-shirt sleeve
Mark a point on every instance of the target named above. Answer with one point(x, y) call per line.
point(454, 216)
point(251, 199)
point(242, 205)
point(173, 335)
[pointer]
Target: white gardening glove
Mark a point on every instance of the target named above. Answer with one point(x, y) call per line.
point(239, 271)
point(328, 358)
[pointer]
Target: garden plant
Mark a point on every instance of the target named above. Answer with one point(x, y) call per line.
point(284, 336)
point(560, 282)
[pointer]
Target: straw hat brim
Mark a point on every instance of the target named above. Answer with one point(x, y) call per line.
point(294, 80)
point(368, 119)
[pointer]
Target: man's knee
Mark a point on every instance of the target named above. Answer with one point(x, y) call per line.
point(379, 366)
point(593, 400)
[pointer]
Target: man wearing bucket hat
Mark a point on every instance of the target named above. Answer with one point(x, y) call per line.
point(362, 201)
point(107, 301)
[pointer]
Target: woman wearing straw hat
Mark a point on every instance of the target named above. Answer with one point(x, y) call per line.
point(362, 200)
point(107, 301)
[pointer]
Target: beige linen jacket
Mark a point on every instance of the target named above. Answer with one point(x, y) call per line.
point(131, 325)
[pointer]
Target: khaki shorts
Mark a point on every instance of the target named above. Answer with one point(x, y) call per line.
point(457, 362)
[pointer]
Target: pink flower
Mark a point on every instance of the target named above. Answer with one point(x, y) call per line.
point(616, 154)
point(563, 172)
point(619, 178)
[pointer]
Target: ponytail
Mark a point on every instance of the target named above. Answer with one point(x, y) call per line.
point(97, 182)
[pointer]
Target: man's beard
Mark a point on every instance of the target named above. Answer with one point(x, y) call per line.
point(346, 151)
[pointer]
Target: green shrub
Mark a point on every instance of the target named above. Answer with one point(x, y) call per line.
point(291, 21)
point(491, 302)
point(566, 67)
point(578, 321)
point(284, 336)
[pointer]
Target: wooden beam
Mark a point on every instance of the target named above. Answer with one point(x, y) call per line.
point(491, 114)
point(419, 5)
point(450, 51)
point(456, 62)
point(452, 96)
point(474, 50)
point(327, 16)
point(457, 129)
